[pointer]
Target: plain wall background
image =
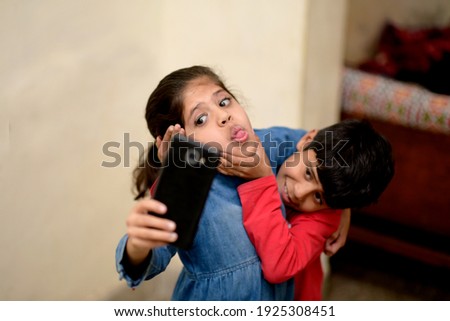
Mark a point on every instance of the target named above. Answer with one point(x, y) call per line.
point(77, 74)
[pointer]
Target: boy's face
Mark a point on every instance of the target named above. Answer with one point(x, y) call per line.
point(298, 182)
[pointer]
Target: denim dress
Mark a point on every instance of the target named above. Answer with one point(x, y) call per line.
point(222, 263)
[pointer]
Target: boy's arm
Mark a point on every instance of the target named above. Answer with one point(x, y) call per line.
point(283, 251)
point(338, 238)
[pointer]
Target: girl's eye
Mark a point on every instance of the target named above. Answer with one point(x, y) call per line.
point(200, 120)
point(318, 198)
point(225, 102)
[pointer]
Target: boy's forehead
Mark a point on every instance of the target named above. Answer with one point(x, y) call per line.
point(309, 158)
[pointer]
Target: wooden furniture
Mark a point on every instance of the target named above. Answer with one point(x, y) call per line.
point(412, 218)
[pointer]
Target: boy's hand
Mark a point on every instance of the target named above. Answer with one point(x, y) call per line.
point(246, 160)
point(162, 143)
point(338, 238)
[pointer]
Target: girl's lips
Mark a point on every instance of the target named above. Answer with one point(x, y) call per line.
point(238, 134)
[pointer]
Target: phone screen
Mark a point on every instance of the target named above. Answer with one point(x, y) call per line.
point(183, 186)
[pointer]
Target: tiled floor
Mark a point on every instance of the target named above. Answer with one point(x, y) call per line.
point(364, 273)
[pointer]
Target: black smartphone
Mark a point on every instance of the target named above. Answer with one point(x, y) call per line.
point(183, 185)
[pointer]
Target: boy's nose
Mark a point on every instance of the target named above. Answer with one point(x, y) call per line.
point(301, 190)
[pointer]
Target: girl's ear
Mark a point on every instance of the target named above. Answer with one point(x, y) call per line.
point(309, 136)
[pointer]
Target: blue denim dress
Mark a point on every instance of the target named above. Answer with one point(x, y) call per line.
point(222, 264)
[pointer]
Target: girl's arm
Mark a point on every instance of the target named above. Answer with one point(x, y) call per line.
point(142, 253)
point(155, 263)
point(145, 231)
point(145, 251)
point(283, 251)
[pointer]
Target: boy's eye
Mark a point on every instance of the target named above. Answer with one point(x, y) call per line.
point(308, 173)
point(200, 120)
point(318, 198)
point(224, 102)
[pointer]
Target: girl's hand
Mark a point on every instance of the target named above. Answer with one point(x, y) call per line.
point(247, 160)
point(338, 238)
point(163, 143)
point(146, 231)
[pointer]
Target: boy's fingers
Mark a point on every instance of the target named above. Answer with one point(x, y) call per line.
point(222, 171)
point(235, 159)
point(333, 237)
point(225, 163)
point(228, 171)
point(334, 243)
point(331, 250)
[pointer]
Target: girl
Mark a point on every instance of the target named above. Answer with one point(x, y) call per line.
point(222, 263)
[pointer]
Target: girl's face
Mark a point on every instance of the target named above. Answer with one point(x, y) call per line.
point(212, 115)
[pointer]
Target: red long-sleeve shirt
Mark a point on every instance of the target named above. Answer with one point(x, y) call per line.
point(286, 249)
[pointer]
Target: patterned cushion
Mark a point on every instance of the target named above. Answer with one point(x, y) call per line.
point(372, 96)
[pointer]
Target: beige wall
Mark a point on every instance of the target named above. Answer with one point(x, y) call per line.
point(77, 74)
point(324, 48)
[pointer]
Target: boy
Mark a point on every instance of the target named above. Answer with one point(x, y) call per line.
point(342, 166)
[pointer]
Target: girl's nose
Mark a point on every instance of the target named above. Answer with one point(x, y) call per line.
point(224, 118)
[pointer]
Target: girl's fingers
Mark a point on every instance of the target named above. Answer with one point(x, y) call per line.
point(150, 205)
point(158, 142)
point(168, 134)
point(140, 216)
point(147, 244)
point(176, 129)
point(164, 142)
point(151, 235)
point(151, 221)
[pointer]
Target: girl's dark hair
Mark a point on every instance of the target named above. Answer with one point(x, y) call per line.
point(355, 163)
point(165, 108)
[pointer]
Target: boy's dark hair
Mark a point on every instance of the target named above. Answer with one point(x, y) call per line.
point(355, 163)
